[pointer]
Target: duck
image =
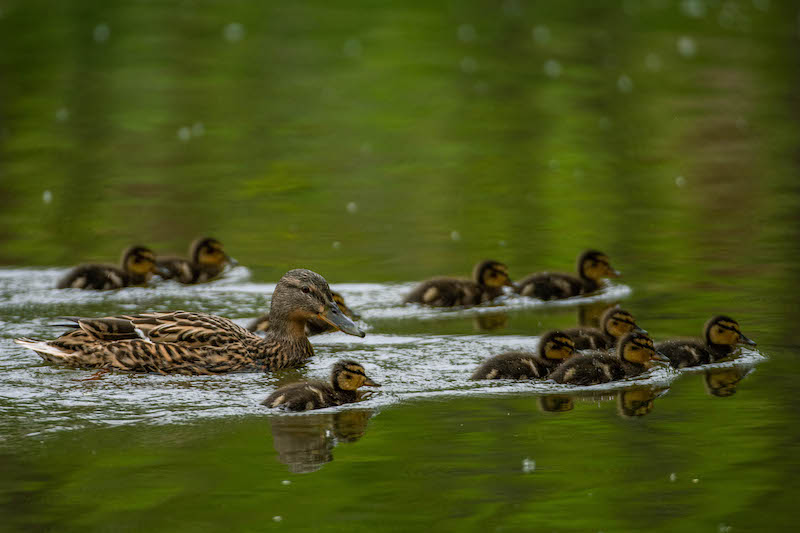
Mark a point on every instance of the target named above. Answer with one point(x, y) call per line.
point(137, 266)
point(208, 260)
point(723, 382)
point(636, 402)
point(554, 348)
point(721, 336)
point(198, 343)
point(346, 378)
point(489, 278)
point(614, 323)
point(313, 326)
point(635, 354)
point(593, 267)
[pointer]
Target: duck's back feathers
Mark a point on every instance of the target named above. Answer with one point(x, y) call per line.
point(592, 368)
point(95, 277)
point(553, 286)
point(586, 338)
point(188, 272)
point(689, 352)
point(308, 395)
point(451, 292)
point(515, 365)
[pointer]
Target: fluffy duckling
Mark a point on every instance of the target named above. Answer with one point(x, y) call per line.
point(314, 326)
point(554, 348)
point(614, 324)
point(346, 378)
point(138, 264)
point(208, 260)
point(635, 354)
point(721, 335)
point(593, 267)
point(198, 343)
point(489, 278)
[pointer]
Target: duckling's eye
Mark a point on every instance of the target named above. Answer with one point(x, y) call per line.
point(306, 290)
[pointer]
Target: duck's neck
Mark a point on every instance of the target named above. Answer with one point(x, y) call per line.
point(285, 344)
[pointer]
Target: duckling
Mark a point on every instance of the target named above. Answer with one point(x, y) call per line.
point(554, 348)
point(208, 260)
point(198, 343)
point(346, 378)
point(314, 326)
point(138, 264)
point(636, 402)
point(615, 323)
point(721, 336)
point(593, 267)
point(635, 354)
point(489, 279)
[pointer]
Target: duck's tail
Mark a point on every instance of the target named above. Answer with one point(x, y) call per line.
point(48, 352)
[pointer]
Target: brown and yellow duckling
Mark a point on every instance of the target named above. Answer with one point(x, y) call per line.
point(555, 347)
point(314, 326)
point(635, 354)
point(593, 267)
point(721, 335)
point(208, 260)
point(346, 378)
point(198, 343)
point(138, 264)
point(489, 278)
point(614, 324)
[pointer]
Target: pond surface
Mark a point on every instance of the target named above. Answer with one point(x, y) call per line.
point(380, 145)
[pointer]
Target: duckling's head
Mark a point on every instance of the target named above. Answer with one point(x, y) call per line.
point(491, 274)
point(635, 402)
point(556, 345)
point(209, 252)
point(618, 322)
point(637, 348)
point(302, 295)
point(349, 375)
point(595, 265)
point(724, 331)
point(140, 261)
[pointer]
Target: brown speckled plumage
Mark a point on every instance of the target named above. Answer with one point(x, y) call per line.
point(554, 348)
point(314, 326)
point(489, 278)
point(721, 335)
point(207, 261)
point(614, 324)
point(136, 267)
point(593, 267)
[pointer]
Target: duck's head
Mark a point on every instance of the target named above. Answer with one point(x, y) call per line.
point(724, 331)
point(349, 375)
point(209, 252)
point(139, 261)
point(618, 322)
point(302, 295)
point(556, 345)
point(637, 348)
point(492, 274)
point(595, 265)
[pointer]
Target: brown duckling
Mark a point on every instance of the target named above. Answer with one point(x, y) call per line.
point(208, 260)
point(614, 324)
point(593, 267)
point(636, 402)
point(138, 264)
point(721, 335)
point(554, 348)
point(635, 354)
point(198, 343)
point(313, 326)
point(346, 378)
point(489, 279)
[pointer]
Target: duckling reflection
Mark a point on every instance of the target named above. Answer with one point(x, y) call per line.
point(636, 402)
point(723, 382)
point(590, 314)
point(305, 443)
point(490, 322)
point(555, 403)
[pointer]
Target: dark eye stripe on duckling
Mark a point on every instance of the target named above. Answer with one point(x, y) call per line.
point(729, 326)
point(356, 370)
point(561, 342)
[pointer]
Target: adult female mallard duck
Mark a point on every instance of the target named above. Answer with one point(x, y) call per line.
point(208, 260)
point(721, 335)
point(593, 267)
point(489, 278)
point(635, 354)
point(614, 324)
point(313, 326)
point(346, 378)
point(138, 264)
point(198, 343)
point(554, 348)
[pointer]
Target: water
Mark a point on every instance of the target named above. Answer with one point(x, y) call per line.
point(380, 145)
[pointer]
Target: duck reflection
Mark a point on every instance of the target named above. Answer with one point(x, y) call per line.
point(555, 403)
point(305, 443)
point(637, 402)
point(630, 402)
point(490, 322)
point(589, 314)
point(723, 382)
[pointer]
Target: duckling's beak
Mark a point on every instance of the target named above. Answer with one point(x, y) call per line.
point(615, 273)
point(637, 329)
point(370, 383)
point(658, 356)
point(160, 270)
point(745, 340)
point(231, 261)
point(508, 283)
point(334, 316)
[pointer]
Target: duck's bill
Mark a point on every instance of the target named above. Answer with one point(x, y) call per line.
point(638, 329)
point(509, 283)
point(231, 261)
point(370, 383)
point(337, 319)
point(162, 271)
point(658, 356)
point(745, 340)
point(614, 273)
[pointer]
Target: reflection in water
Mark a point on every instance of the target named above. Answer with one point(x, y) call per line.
point(555, 403)
point(589, 314)
point(723, 382)
point(637, 402)
point(490, 322)
point(305, 443)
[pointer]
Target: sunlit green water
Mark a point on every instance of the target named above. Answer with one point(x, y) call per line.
point(663, 132)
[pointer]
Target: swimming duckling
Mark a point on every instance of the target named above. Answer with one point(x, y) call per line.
point(208, 260)
point(615, 323)
point(554, 348)
point(635, 354)
point(198, 343)
point(346, 378)
point(138, 264)
point(489, 279)
point(721, 336)
point(313, 326)
point(593, 267)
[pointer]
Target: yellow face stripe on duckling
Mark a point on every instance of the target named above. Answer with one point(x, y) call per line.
point(351, 377)
point(619, 323)
point(639, 350)
point(725, 332)
point(495, 275)
point(598, 267)
point(211, 253)
point(559, 347)
point(141, 262)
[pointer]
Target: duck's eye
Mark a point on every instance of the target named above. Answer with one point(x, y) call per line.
point(306, 290)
